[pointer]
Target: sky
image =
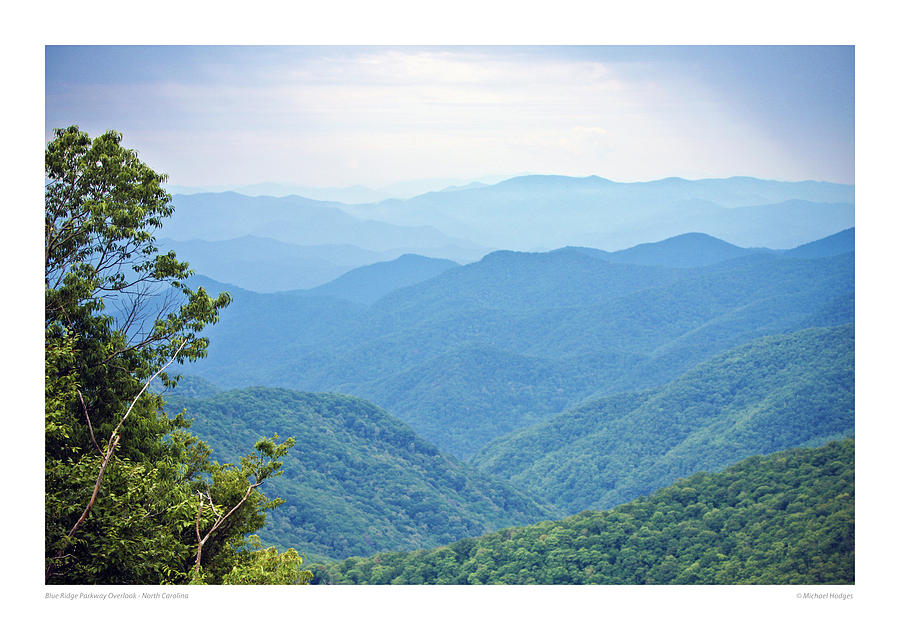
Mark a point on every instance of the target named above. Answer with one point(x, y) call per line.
point(377, 115)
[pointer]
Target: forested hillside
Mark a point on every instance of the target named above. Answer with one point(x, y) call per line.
point(357, 480)
point(769, 395)
point(783, 519)
point(369, 283)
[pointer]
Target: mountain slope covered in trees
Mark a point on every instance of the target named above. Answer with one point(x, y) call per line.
point(772, 394)
point(367, 284)
point(787, 518)
point(357, 480)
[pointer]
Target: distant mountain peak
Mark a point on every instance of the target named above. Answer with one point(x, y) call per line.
point(692, 236)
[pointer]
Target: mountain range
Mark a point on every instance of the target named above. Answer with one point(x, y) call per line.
point(457, 395)
point(232, 237)
point(370, 283)
point(489, 347)
point(266, 265)
point(345, 194)
point(539, 212)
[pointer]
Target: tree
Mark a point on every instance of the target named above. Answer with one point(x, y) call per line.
point(128, 489)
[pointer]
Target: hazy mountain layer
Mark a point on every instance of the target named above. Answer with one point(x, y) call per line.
point(546, 212)
point(685, 250)
point(301, 221)
point(535, 212)
point(265, 265)
point(347, 194)
point(833, 245)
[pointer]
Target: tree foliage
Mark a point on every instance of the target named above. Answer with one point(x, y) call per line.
point(128, 490)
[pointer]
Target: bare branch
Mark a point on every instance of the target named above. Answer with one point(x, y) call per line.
point(218, 522)
point(96, 491)
point(211, 503)
point(88, 418)
point(147, 384)
point(145, 342)
point(199, 512)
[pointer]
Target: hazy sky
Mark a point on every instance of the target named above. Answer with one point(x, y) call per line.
point(338, 116)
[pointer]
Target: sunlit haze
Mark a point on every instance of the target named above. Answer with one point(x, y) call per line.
point(374, 116)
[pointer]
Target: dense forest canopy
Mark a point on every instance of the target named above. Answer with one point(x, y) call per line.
point(784, 519)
